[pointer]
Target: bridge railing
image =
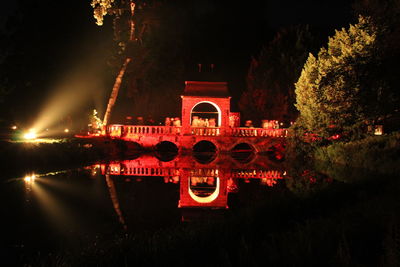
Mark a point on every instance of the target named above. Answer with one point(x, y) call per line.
point(134, 170)
point(257, 132)
point(239, 132)
point(119, 131)
point(114, 130)
point(143, 171)
point(122, 169)
point(148, 130)
point(206, 131)
point(258, 174)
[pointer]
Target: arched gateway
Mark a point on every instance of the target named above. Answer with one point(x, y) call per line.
point(214, 94)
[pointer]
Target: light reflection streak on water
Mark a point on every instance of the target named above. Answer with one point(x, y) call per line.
point(56, 212)
point(31, 179)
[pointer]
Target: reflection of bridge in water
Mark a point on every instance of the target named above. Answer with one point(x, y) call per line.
point(200, 186)
point(202, 103)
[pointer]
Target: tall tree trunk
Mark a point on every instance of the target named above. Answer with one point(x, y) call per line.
point(132, 22)
point(118, 80)
point(115, 90)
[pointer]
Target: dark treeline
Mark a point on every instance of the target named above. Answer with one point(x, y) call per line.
point(40, 41)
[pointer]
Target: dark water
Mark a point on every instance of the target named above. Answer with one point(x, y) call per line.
point(159, 207)
point(72, 208)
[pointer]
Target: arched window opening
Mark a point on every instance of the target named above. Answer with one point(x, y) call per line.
point(205, 114)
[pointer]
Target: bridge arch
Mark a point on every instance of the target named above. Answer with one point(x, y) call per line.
point(243, 152)
point(166, 151)
point(166, 146)
point(243, 147)
point(204, 146)
point(204, 151)
point(219, 115)
point(127, 148)
point(244, 142)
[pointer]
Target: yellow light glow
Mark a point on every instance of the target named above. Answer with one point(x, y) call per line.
point(30, 135)
point(14, 127)
point(72, 94)
point(378, 130)
point(66, 131)
point(43, 140)
point(30, 178)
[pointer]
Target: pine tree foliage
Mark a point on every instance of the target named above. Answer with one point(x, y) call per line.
point(336, 91)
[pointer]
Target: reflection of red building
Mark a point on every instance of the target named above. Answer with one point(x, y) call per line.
point(203, 188)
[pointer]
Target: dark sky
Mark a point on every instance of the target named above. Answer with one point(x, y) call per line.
point(57, 38)
point(230, 33)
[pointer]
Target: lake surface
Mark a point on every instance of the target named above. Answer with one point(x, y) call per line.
point(146, 206)
point(51, 211)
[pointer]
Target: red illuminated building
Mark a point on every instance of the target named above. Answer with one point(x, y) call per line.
point(206, 117)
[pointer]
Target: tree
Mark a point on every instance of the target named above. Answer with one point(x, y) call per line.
point(339, 89)
point(100, 9)
point(386, 15)
point(150, 52)
point(271, 76)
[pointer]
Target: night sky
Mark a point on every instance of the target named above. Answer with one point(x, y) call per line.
point(60, 38)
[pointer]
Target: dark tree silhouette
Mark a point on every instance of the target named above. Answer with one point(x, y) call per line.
point(386, 16)
point(271, 76)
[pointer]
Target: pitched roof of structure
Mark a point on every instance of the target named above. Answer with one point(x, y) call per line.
point(212, 89)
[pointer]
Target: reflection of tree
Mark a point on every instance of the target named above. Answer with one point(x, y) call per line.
point(342, 173)
point(304, 181)
point(115, 201)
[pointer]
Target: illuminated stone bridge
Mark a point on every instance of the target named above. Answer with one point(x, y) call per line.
point(206, 120)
